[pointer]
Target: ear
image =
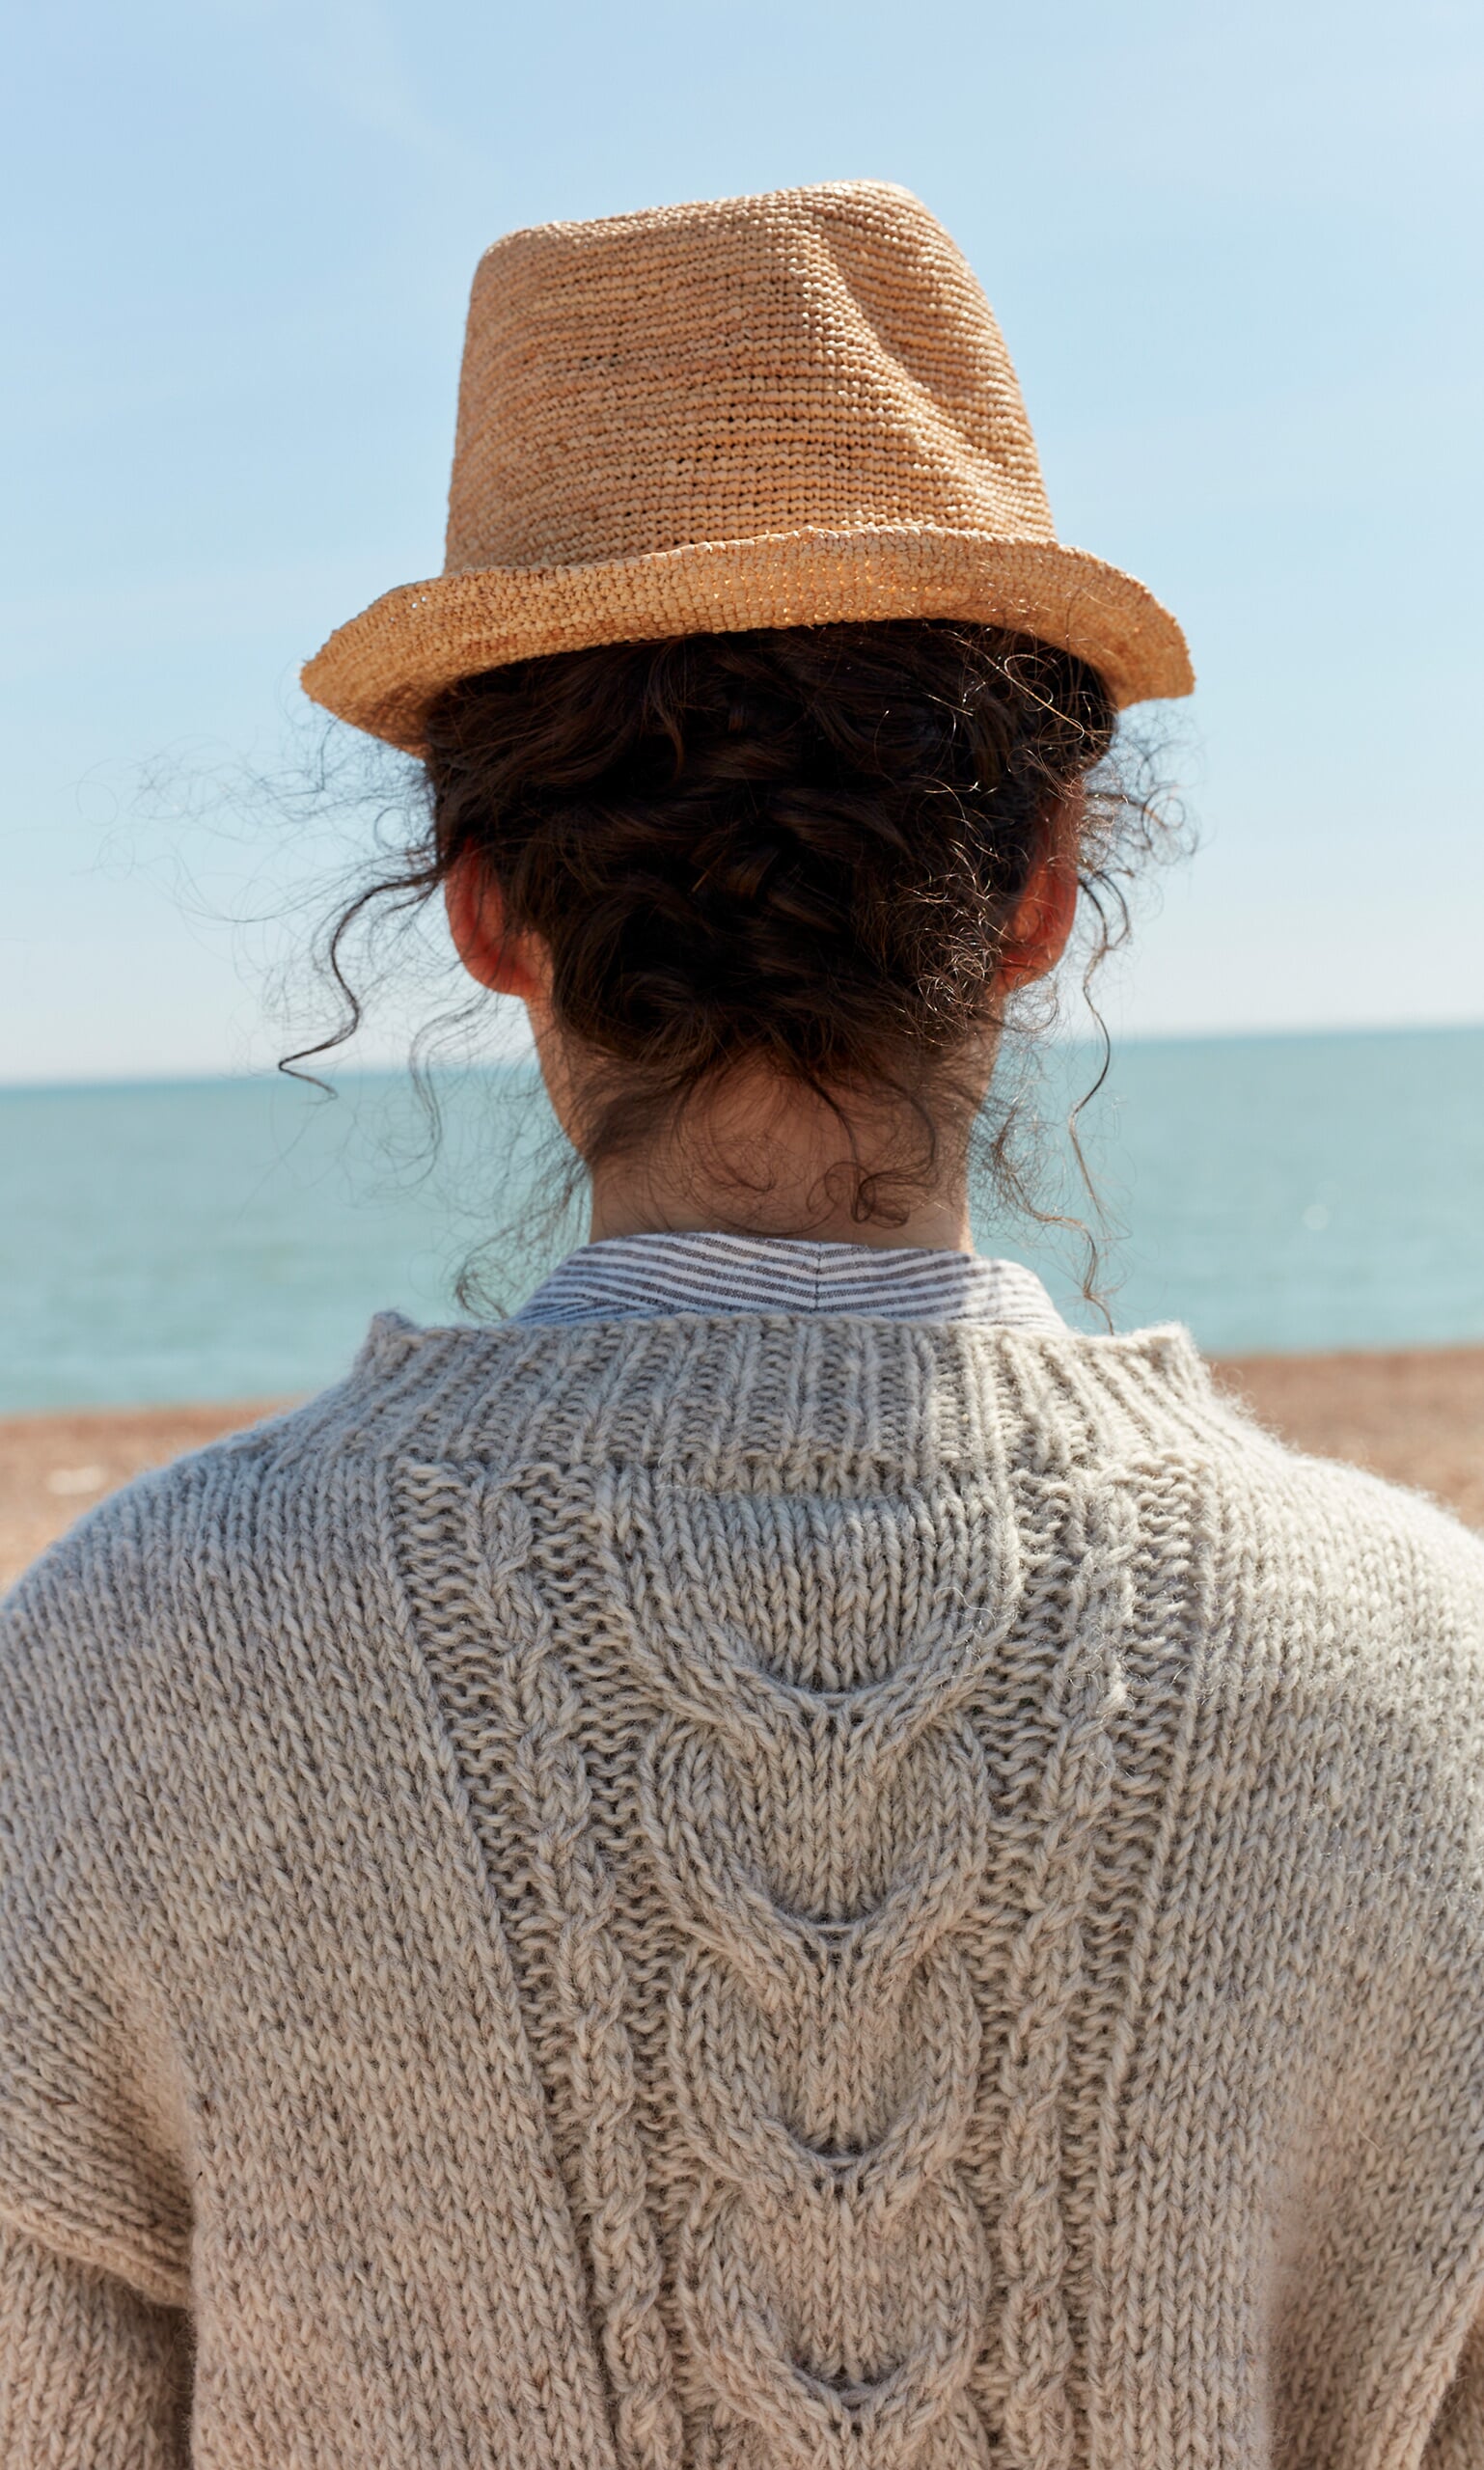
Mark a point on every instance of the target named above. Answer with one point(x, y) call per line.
point(507, 964)
point(1039, 928)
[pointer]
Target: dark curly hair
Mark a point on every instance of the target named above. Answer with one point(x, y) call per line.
point(799, 847)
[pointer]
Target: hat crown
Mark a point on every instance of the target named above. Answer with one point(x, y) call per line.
point(758, 412)
point(819, 357)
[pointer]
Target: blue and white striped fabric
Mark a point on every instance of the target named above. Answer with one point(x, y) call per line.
point(650, 1277)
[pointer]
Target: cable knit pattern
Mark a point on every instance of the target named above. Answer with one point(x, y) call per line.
point(587, 1981)
point(786, 1988)
point(745, 1895)
point(1044, 1982)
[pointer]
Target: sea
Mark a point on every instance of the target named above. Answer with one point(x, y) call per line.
point(231, 1239)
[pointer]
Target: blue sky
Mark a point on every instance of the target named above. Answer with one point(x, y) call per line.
point(1236, 256)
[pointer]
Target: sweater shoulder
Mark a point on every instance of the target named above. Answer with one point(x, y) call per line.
point(1375, 1590)
point(132, 1570)
point(1148, 1407)
point(125, 1590)
point(1346, 1503)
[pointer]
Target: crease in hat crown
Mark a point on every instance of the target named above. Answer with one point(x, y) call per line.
point(781, 410)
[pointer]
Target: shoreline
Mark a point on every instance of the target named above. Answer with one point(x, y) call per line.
point(1414, 1414)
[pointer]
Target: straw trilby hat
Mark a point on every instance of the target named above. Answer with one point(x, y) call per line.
point(765, 411)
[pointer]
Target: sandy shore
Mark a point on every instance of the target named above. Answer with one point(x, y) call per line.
point(1417, 1416)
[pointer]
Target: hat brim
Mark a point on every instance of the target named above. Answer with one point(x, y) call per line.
point(384, 670)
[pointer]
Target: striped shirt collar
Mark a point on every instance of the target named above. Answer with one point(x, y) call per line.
point(650, 1277)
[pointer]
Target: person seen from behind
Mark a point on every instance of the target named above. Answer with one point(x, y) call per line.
point(779, 1862)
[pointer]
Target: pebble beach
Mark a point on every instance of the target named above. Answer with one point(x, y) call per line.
point(1413, 1415)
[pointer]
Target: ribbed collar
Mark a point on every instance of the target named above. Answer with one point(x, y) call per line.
point(781, 1394)
point(647, 1278)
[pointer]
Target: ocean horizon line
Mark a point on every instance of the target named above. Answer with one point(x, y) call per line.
point(137, 1084)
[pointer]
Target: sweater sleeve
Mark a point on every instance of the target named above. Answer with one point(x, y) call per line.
point(94, 2162)
point(92, 2376)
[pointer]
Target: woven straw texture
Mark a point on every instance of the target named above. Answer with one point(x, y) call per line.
point(745, 1895)
point(769, 411)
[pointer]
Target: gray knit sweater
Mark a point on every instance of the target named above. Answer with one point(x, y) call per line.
point(750, 1894)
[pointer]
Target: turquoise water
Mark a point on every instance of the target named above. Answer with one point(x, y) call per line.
point(232, 1239)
